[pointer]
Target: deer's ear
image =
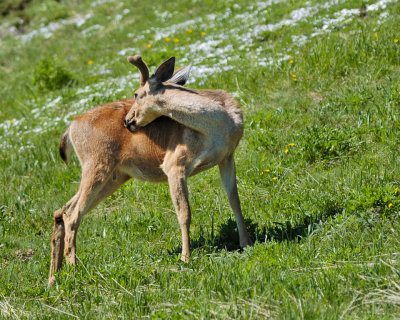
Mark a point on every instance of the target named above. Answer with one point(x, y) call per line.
point(163, 73)
point(181, 75)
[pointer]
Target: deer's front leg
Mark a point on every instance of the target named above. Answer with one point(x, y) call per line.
point(179, 195)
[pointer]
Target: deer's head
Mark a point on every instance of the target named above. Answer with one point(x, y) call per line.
point(145, 107)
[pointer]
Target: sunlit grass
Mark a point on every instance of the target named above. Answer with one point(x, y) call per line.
point(318, 166)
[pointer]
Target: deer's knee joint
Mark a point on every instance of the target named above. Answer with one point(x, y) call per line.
point(67, 250)
point(184, 222)
point(58, 217)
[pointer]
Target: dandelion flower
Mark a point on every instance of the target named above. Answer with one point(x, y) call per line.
point(274, 178)
point(375, 35)
point(396, 40)
point(190, 30)
point(294, 79)
point(148, 45)
point(396, 190)
point(390, 204)
point(90, 62)
point(291, 61)
point(286, 150)
point(11, 121)
point(176, 40)
point(293, 75)
point(261, 173)
point(167, 39)
point(266, 170)
point(203, 33)
point(291, 144)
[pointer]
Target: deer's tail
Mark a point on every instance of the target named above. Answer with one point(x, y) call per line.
point(65, 146)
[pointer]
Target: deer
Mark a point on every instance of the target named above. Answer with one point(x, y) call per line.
point(132, 138)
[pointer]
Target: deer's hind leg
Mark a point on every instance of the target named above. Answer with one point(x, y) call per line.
point(57, 240)
point(96, 184)
point(57, 244)
point(228, 175)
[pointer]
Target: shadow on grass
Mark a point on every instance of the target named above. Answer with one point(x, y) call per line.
point(227, 237)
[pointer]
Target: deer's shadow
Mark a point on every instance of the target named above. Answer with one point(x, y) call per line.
point(227, 237)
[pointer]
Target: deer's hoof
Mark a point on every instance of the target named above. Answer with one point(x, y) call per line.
point(52, 279)
point(185, 258)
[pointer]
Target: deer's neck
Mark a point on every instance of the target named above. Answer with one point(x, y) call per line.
point(194, 111)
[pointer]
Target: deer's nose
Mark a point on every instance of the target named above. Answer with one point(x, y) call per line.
point(128, 123)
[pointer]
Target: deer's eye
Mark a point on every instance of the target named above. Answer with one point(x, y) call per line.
point(135, 95)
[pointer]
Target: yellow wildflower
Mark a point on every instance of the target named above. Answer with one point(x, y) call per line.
point(390, 204)
point(274, 178)
point(291, 61)
point(396, 40)
point(375, 35)
point(396, 190)
point(266, 170)
point(167, 39)
point(190, 30)
point(90, 62)
point(148, 45)
point(294, 79)
point(286, 150)
point(176, 40)
point(291, 144)
point(203, 33)
point(261, 173)
point(293, 75)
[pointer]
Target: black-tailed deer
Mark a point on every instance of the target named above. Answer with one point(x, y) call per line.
point(168, 148)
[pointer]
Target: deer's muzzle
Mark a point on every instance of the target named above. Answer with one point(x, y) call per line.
point(130, 125)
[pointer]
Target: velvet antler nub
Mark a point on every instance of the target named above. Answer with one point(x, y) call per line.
point(137, 61)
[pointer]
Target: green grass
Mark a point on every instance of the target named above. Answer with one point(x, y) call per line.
point(326, 230)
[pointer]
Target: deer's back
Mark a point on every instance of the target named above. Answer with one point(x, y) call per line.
point(99, 136)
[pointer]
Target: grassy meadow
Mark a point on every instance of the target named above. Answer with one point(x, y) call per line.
point(318, 166)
